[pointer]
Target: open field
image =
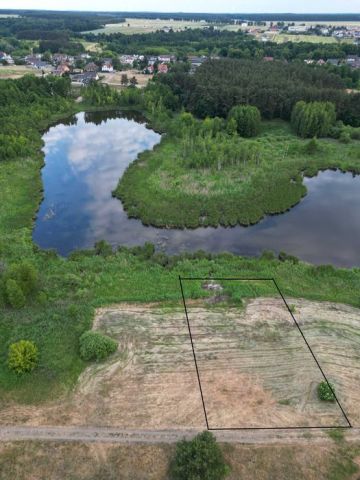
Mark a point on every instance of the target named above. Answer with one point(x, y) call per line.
point(91, 46)
point(264, 377)
point(17, 71)
point(139, 25)
point(99, 461)
point(283, 38)
point(114, 79)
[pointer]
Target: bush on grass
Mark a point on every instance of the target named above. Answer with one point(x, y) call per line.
point(95, 346)
point(23, 356)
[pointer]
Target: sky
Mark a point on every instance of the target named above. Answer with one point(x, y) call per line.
point(209, 6)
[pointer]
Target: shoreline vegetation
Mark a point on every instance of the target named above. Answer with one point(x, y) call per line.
point(60, 306)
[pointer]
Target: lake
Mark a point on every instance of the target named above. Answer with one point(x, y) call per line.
point(86, 155)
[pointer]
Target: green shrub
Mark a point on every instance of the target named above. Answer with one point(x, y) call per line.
point(325, 393)
point(197, 459)
point(23, 356)
point(313, 119)
point(25, 275)
point(103, 248)
point(14, 294)
point(345, 137)
point(312, 146)
point(95, 346)
point(248, 120)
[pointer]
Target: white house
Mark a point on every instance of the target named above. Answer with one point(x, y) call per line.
point(107, 67)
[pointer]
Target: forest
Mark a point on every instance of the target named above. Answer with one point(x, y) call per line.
point(273, 87)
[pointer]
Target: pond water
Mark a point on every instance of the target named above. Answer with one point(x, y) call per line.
point(86, 155)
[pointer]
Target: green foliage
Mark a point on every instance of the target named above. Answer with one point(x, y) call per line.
point(248, 120)
point(22, 356)
point(313, 119)
point(25, 275)
point(197, 459)
point(312, 146)
point(345, 137)
point(99, 94)
point(95, 346)
point(103, 248)
point(325, 393)
point(14, 294)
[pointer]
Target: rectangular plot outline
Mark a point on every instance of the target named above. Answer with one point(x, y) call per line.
point(271, 279)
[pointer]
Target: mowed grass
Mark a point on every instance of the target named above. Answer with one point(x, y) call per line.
point(161, 190)
point(142, 25)
point(283, 38)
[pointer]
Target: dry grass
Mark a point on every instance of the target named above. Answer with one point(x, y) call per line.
point(18, 71)
point(80, 461)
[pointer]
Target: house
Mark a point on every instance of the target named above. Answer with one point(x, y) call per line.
point(321, 61)
point(163, 68)
point(61, 70)
point(309, 61)
point(268, 59)
point(196, 62)
point(107, 67)
point(84, 78)
point(149, 69)
point(298, 28)
point(333, 61)
point(4, 57)
point(40, 65)
point(91, 67)
point(166, 58)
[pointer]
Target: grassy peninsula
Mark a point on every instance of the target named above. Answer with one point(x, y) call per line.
point(170, 187)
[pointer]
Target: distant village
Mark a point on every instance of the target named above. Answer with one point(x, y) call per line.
point(86, 67)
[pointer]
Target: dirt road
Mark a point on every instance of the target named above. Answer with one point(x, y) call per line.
point(127, 436)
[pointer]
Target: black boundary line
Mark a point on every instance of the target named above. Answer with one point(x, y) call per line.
point(304, 338)
point(193, 350)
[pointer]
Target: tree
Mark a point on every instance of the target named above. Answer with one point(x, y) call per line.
point(95, 346)
point(23, 356)
point(248, 120)
point(14, 294)
point(124, 79)
point(313, 119)
point(197, 459)
point(133, 81)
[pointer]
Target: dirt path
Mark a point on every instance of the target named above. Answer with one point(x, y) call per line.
point(127, 436)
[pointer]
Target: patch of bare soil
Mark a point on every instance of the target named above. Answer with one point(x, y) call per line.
point(255, 368)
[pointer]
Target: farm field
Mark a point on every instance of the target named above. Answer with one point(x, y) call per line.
point(138, 25)
point(17, 71)
point(283, 38)
point(254, 368)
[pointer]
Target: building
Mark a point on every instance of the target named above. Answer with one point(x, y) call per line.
point(84, 78)
point(107, 67)
point(298, 28)
point(91, 67)
point(333, 61)
point(268, 59)
point(196, 62)
point(163, 68)
point(4, 57)
point(60, 70)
